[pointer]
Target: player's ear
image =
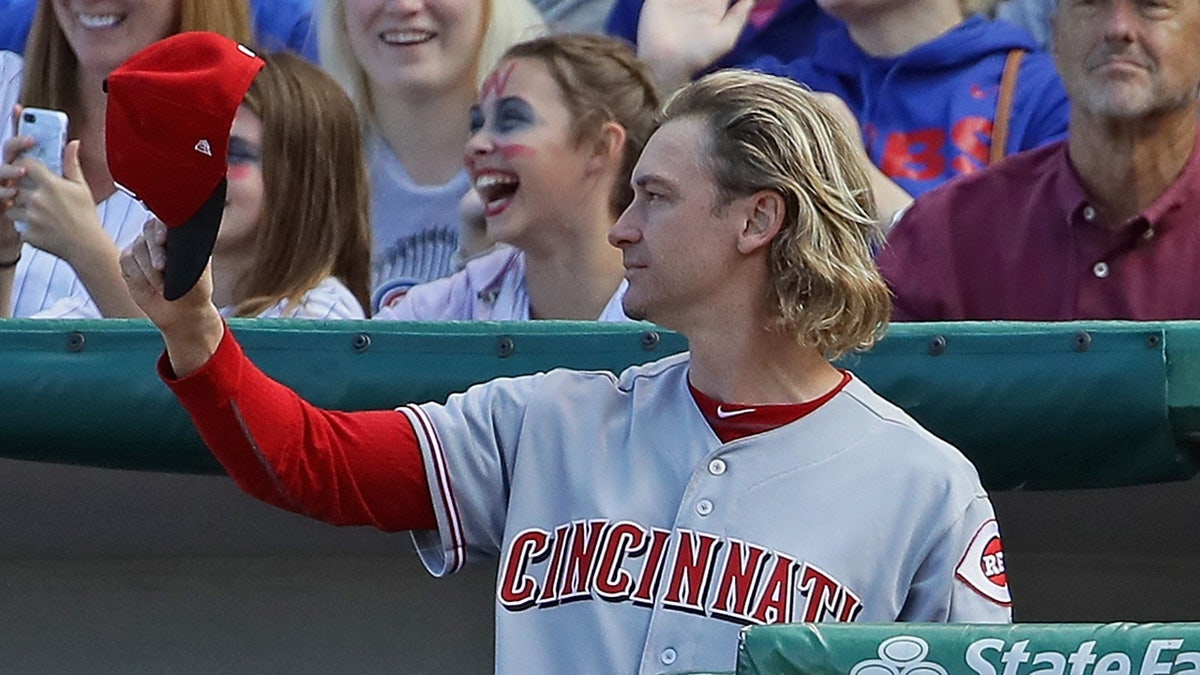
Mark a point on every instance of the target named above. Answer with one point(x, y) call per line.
point(765, 212)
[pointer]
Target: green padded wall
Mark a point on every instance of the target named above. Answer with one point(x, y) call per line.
point(1035, 406)
point(954, 649)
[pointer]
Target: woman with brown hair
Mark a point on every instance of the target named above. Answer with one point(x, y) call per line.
point(77, 223)
point(295, 240)
point(555, 135)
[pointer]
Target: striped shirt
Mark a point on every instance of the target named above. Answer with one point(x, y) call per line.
point(490, 288)
point(329, 299)
point(43, 279)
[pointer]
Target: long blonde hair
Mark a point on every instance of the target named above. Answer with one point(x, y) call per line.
point(51, 67)
point(315, 221)
point(505, 22)
point(770, 133)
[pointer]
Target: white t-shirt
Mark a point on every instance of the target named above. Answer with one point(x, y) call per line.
point(43, 279)
point(490, 288)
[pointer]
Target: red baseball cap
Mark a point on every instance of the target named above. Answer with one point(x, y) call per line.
point(170, 113)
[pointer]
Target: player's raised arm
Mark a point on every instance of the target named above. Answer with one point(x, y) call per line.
point(343, 468)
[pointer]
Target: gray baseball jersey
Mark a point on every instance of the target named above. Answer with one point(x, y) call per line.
point(631, 539)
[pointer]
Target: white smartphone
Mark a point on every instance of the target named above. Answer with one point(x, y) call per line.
point(49, 129)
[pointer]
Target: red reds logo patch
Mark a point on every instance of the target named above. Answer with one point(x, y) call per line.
point(982, 566)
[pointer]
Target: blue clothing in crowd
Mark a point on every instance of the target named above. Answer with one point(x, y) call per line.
point(278, 25)
point(927, 114)
point(16, 17)
point(789, 35)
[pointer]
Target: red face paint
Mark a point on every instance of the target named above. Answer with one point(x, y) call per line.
point(239, 171)
point(497, 83)
point(511, 150)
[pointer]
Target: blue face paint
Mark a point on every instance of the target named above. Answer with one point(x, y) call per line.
point(242, 151)
point(477, 119)
point(512, 113)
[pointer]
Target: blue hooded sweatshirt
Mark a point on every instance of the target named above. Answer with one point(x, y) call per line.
point(927, 114)
point(789, 35)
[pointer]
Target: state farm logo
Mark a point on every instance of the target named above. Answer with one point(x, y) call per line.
point(901, 655)
point(905, 655)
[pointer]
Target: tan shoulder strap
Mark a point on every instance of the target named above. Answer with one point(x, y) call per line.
point(1004, 103)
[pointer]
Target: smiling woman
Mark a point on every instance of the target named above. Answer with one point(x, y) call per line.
point(413, 69)
point(81, 217)
point(555, 133)
point(293, 240)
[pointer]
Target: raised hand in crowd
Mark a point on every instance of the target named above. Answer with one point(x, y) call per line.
point(679, 38)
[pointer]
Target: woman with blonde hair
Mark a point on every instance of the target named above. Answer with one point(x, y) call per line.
point(294, 240)
point(414, 70)
point(75, 225)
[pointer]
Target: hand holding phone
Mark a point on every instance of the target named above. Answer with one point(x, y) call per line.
point(48, 129)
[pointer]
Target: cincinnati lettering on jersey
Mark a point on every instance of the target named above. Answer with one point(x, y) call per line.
point(622, 561)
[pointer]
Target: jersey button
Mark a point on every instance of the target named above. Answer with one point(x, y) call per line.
point(1100, 269)
point(668, 656)
point(716, 467)
point(1089, 213)
point(704, 507)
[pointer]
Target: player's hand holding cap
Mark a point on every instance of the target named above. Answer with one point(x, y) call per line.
point(170, 112)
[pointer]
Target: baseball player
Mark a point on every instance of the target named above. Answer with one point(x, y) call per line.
point(641, 519)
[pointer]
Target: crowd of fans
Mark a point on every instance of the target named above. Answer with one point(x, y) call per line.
point(469, 159)
point(1031, 159)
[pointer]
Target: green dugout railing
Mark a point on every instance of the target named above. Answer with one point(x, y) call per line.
point(977, 649)
point(1035, 406)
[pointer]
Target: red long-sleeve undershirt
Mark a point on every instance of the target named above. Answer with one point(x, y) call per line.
point(344, 468)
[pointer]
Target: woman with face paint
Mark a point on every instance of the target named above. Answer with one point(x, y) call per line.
point(414, 68)
point(557, 129)
point(294, 241)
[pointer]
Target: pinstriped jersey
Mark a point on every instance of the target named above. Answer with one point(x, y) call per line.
point(42, 278)
point(630, 539)
point(328, 300)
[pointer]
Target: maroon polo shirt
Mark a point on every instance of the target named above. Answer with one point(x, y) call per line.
point(1016, 241)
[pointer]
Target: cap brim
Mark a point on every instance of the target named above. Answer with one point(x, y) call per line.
point(190, 245)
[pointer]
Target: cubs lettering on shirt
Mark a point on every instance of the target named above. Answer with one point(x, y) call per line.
point(928, 115)
point(929, 154)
